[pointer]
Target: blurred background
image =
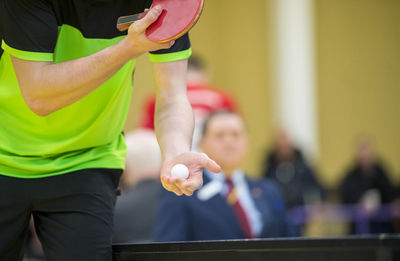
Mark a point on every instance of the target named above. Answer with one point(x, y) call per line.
point(326, 71)
point(319, 76)
point(318, 80)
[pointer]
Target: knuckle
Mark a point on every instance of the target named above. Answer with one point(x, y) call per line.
point(203, 161)
point(163, 46)
point(167, 188)
point(135, 27)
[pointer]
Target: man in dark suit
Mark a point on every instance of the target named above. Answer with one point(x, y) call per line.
point(230, 205)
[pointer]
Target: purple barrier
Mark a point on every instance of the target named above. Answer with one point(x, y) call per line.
point(346, 213)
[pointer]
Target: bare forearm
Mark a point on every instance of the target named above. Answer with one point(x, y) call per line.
point(73, 79)
point(173, 116)
point(174, 123)
point(55, 86)
point(174, 126)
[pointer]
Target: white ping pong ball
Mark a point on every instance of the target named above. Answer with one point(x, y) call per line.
point(180, 171)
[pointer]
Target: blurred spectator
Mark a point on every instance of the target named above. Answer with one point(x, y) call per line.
point(136, 207)
point(396, 211)
point(286, 165)
point(366, 183)
point(203, 97)
point(230, 205)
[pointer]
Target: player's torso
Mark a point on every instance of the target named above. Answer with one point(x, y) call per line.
point(84, 27)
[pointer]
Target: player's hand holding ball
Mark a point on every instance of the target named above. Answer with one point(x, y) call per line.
point(180, 171)
point(183, 174)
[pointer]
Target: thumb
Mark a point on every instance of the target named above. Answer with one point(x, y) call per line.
point(151, 16)
point(210, 164)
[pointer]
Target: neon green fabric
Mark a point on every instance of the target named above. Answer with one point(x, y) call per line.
point(86, 134)
point(30, 56)
point(170, 57)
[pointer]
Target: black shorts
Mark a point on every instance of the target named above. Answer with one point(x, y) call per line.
point(73, 214)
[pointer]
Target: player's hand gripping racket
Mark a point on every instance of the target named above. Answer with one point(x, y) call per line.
point(177, 18)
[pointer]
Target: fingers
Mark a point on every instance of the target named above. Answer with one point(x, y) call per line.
point(144, 13)
point(166, 45)
point(178, 186)
point(140, 26)
point(168, 184)
point(210, 164)
point(170, 44)
point(192, 183)
point(188, 191)
point(150, 17)
point(196, 162)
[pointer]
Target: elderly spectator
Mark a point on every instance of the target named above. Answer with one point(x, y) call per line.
point(136, 207)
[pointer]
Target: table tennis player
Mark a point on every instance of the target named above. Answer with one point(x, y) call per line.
point(65, 86)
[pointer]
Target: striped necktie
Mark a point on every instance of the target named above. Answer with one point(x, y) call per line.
point(233, 200)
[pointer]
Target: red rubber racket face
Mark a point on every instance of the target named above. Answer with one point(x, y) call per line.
point(177, 17)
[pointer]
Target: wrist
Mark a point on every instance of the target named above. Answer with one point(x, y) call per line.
point(172, 154)
point(128, 49)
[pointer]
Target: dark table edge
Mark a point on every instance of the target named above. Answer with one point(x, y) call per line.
point(273, 244)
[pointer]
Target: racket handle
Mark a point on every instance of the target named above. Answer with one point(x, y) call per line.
point(124, 22)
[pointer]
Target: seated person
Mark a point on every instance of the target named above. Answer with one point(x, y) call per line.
point(135, 208)
point(286, 165)
point(229, 205)
point(367, 185)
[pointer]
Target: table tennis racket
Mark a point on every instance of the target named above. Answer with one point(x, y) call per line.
point(176, 19)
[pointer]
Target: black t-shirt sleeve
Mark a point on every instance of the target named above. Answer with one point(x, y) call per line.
point(29, 25)
point(179, 51)
point(181, 44)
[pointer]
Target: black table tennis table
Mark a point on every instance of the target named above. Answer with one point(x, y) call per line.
point(353, 248)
